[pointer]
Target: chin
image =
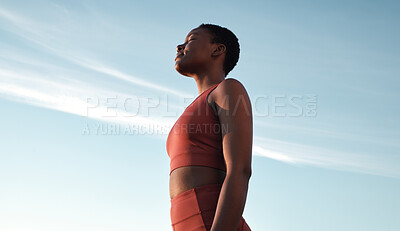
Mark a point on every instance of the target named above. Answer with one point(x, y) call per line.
point(182, 72)
point(180, 69)
point(185, 67)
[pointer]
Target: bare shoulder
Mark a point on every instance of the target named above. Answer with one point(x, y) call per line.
point(229, 88)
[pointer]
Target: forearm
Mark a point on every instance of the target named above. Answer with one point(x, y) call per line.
point(231, 203)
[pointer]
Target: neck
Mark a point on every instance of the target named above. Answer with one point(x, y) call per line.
point(206, 80)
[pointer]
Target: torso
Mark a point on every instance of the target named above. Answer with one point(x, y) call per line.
point(188, 177)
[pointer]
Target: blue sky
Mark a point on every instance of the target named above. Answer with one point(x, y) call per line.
point(79, 78)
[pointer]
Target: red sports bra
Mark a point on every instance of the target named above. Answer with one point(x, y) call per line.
point(195, 138)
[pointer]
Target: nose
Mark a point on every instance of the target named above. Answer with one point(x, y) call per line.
point(179, 48)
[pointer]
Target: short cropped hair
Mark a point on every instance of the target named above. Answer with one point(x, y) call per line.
point(228, 38)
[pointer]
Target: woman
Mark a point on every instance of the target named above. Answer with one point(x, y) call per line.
point(210, 144)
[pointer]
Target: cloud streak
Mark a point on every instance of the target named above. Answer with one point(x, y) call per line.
point(299, 154)
point(66, 94)
point(69, 97)
point(33, 31)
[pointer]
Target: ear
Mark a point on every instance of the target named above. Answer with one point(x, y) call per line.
point(218, 49)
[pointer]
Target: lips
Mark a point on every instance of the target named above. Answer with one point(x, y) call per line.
point(178, 56)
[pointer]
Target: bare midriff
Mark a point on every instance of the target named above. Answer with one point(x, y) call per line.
point(188, 177)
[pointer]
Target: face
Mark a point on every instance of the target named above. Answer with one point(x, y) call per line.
point(195, 54)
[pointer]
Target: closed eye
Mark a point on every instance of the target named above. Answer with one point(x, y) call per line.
point(191, 39)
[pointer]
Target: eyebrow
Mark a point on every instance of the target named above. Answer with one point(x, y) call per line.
point(190, 35)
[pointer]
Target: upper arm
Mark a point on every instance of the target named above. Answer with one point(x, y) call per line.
point(235, 115)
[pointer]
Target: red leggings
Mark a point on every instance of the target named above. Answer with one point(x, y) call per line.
point(194, 209)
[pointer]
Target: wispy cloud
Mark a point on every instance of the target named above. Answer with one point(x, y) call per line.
point(299, 154)
point(35, 32)
point(70, 97)
point(366, 136)
point(58, 91)
point(67, 94)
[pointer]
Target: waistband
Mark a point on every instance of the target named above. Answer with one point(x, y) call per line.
point(182, 195)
